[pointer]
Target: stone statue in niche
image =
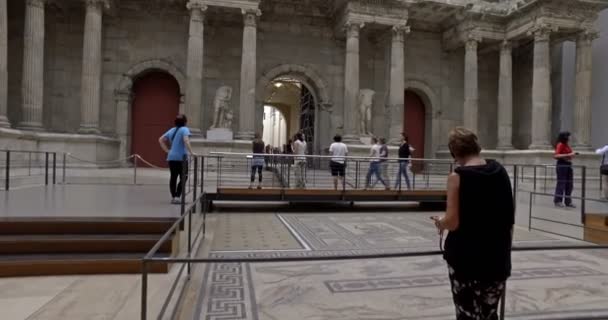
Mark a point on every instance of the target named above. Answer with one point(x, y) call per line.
point(366, 100)
point(223, 115)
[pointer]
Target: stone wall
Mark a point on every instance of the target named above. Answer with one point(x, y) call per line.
point(522, 91)
point(64, 31)
point(136, 34)
point(488, 98)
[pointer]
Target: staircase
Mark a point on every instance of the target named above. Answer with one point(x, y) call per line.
point(70, 246)
point(596, 228)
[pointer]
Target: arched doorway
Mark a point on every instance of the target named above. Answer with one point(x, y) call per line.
point(297, 104)
point(156, 97)
point(415, 124)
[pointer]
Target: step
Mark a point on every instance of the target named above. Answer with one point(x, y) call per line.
point(50, 265)
point(81, 243)
point(596, 230)
point(61, 226)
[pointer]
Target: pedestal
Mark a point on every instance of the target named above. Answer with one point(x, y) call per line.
point(220, 134)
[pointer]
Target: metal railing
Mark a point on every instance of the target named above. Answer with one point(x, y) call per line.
point(315, 172)
point(17, 164)
point(187, 261)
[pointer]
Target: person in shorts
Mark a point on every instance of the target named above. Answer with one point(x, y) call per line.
point(337, 164)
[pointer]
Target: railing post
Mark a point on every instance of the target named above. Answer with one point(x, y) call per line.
point(530, 213)
point(546, 174)
point(190, 237)
point(534, 178)
point(503, 302)
point(135, 169)
point(515, 186)
point(183, 184)
point(54, 168)
point(46, 168)
point(8, 170)
point(195, 182)
point(65, 160)
point(583, 195)
point(202, 175)
point(144, 289)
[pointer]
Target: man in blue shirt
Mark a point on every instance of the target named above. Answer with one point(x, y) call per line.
point(176, 143)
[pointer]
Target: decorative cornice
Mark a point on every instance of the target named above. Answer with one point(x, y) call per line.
point(237, 4)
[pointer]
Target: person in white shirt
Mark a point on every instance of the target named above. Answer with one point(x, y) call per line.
point(299, 148)
point(374, 165)
point(604, 167)
point(339, 151)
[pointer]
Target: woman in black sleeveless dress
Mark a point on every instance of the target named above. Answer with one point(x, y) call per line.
point(479, 217)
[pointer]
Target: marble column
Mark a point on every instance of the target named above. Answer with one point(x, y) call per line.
point(194, 65)
point(3, 65)
point(541, 91)
point(397, 83)
point(248, 76)
point(582, 106)
point(32, 87)
point(471, 87)
point(351, 82)
point(505, 98)
point(90, 91)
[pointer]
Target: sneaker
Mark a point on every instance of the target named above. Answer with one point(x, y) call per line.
point(259, 187)
point(571, 206)
point(559, 204)
point(175, 201)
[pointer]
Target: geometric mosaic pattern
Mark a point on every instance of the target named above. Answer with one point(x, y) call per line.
point(430, 280)
point(227, 293)
point(544, 285)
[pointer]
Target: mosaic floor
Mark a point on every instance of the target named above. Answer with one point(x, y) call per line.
point(404, 288)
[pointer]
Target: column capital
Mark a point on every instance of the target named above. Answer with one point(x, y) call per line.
point(250, 17)
point(542, 32)
point(352, 28)
point(196, 6)
point(36, 3)
point(97, 4)
point(506, 46)
point(400, 31)
point(586, 37)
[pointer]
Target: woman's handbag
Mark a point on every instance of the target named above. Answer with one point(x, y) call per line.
point(604, 166)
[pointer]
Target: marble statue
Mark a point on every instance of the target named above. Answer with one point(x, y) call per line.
point(366, 98)
point(223, 115)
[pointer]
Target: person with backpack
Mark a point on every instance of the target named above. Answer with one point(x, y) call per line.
point(257, 162)
point(604, 168)
point(176, 143)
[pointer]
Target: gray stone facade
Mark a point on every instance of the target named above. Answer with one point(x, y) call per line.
point(486, 64)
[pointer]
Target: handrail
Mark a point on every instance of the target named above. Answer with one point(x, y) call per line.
point(281, 155)
point(28, 151)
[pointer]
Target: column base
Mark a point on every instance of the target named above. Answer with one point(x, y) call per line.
point(30, 126)
point(351, 139)
point(88, 130)
point(505, 148)
point(583, 147)
point(4, 123)
point(244, 135)
point(540, 147)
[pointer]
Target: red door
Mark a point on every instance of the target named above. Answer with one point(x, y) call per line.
point(414, 121)
point(155, 105)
